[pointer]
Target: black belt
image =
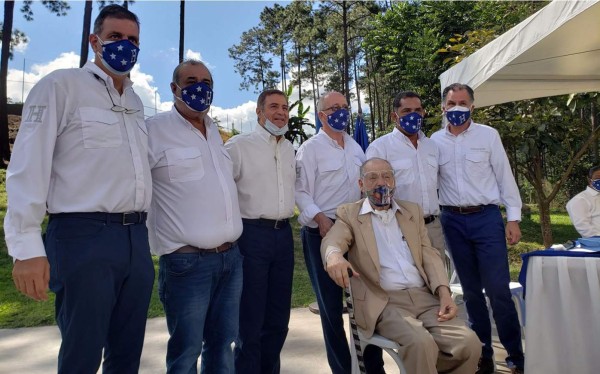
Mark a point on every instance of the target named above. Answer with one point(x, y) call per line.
point(429, 219)
point(127, 218)
point(220, 249)
point(274, 223)
point(465, 209)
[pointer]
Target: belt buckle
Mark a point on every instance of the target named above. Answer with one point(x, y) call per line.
point(276, 226)
point(125, 220)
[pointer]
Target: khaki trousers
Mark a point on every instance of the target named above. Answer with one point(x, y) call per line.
point(428, 346)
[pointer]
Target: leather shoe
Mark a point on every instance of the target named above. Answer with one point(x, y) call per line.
point(517, 371)
point(485, 366)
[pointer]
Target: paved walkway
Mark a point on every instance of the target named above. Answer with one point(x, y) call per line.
point(34, 350)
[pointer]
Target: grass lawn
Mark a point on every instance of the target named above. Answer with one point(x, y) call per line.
point(18, 311)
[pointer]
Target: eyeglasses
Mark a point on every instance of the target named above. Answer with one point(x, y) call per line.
point(115, 107)
point(373, 176)
point(336, 107)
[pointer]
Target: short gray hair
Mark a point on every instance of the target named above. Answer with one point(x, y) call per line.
point(192, 62)
point(364, 164)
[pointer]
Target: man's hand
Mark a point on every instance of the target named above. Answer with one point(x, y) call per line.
point(324, 223)
point(513, 232)
point(448, 308)
point(31, 277)
point(337, 268)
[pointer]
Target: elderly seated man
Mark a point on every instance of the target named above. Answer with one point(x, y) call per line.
point(400, 287)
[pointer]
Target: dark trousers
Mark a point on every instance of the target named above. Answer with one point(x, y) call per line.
point(266, 297)
point(331, 302)
point(102, 275)
point(477, 245)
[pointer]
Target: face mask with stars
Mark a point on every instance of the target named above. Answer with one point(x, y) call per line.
point(411, 123)
point(197, 96)
point(338, 120)
point(118, 57)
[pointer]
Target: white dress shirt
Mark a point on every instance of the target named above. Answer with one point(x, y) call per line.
point(584, 210)
point(398, 269)
point(326, 176)
point(73, 154)
point(194, 199)
point(264, 170)
point(474, 170)
point(416, 169)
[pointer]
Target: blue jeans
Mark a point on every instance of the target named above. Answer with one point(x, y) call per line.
point(330, 299)
point(266, 297)
point(477, 245)
point(102, 275)
point(200, 293)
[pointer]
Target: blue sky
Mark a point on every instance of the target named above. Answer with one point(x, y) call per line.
point(211, 28)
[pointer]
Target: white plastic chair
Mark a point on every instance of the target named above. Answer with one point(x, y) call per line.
point(516, 291)
point(358, 342)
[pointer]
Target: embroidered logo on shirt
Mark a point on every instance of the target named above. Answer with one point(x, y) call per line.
point(35, 113)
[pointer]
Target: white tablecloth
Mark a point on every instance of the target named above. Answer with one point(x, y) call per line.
point(562, 298)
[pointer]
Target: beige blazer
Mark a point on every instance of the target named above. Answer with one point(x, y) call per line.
point(353, 233)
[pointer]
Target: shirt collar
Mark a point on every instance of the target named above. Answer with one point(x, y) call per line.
point(590, 191)
point(95, 69)
point(328, 139)
point(470, 128)
point(405, 138)
point(367, 208)
point(264, 134)
point(207, 120)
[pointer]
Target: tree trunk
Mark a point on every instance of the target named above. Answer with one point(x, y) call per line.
point(181, 29)
point(9, 7)
point(545, 223)
point(283, 81)
point(85, 33)
point(356, 85)
point(594, 122)
point(299, 71)
point(346, 71)
point(369, 92)
point(312, 77)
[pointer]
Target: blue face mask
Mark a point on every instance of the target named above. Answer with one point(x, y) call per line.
point(338, 120)
point(381, 196)
point(596, 184)
point(197, 96)
point(458, 115)
point(119, 57)
point(411, 123)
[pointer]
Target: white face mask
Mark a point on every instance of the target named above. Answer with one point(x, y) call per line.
point(274, 130)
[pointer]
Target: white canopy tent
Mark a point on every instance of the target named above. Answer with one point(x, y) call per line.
point(555, 51)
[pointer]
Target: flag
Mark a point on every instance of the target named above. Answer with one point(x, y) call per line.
point(360, 133)
point(318, 124)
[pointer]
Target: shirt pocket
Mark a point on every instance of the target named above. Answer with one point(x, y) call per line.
point(477, 164)
point(431, 170)
point(403, 169)
point(184, 164)
point(100, 128)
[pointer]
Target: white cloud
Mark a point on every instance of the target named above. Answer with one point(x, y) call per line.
point(193, 55)
point(243, 117)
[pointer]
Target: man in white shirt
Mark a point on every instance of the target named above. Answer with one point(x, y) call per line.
point(584, 208)
point(264, 171)
point(327, 168)
point(400, 288)
point(81, 155)
point(475, 178)
point(414, 158)
point(194, 222)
